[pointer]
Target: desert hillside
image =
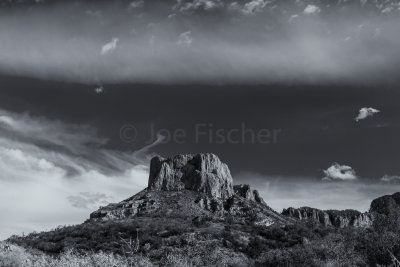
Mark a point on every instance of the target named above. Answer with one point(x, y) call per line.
point(191, 214)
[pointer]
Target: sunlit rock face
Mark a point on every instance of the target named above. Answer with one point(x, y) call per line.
point(336, 218)
point(203, 173)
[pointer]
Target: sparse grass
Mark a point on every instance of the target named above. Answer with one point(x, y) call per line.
point(20, 257)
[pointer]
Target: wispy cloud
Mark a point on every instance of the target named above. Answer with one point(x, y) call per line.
point(365, 113)
point(235, 42)
point(87, 200)
point(254, 6)
point(49, 162)
point(193, 5)
point(311, 9)
point(109, 47)
point(136, 4)
point(185, 38)
point(390, 178)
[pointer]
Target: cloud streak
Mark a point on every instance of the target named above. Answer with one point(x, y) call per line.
point(235, 42)
point(109, 47)
point(88, 200)
point(394, 179)
point(50, 166)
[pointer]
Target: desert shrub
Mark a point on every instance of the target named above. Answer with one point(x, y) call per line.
point(201, 221)
point(257, 246)
point(283, 257)
point(15, 258)
point(376, 247)
point(49, 247)
point(204, 253)
point(338, 248)
point(20, 257)
point(232, 239)
point(175, 259)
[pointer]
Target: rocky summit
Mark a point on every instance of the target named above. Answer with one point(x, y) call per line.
point(203, 173)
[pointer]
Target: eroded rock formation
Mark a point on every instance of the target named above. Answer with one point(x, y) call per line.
point(203, 173)
point(336, 218)
point(193, 186)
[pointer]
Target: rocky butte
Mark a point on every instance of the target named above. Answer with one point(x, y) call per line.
point(193, 186)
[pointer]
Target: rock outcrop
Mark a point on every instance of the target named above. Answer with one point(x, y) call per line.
point(336, 218)
point(245, 191)
point(386, 204)
point(203, 173)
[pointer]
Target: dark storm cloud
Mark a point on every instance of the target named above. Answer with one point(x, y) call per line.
point(201, 41)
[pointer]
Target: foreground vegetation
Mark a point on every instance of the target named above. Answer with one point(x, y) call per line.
point(19, 256)
point(206, 242)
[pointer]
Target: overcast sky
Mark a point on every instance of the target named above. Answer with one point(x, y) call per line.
point(89, 93)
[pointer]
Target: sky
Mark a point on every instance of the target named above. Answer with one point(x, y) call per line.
point(300, 99)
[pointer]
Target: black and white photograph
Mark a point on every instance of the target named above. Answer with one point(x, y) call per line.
point(185, 133)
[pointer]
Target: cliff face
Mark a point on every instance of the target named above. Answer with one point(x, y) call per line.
point(336, 218)
point(385, 205)
point(203, 173)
